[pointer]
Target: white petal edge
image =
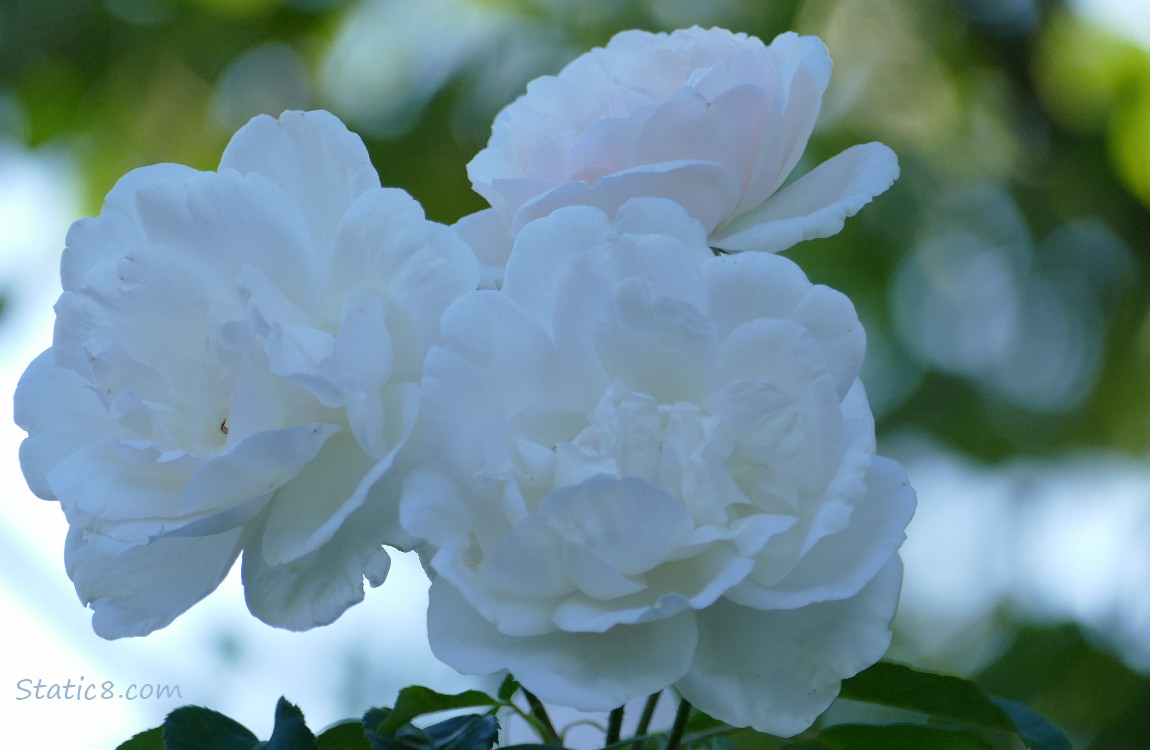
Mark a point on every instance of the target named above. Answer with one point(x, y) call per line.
point(585, 671)
point(314, 590)
point(814, 206)
point(146, 587)
point(778, 671)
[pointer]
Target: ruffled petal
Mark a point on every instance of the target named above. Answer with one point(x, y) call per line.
point(839, 564)
point(311, 157)
point(309, 510)
point(709, 192)
point(116, 231)
point(146, 587)
point(777, 671)
point(61, 416)
point(314, 590)
point(804, 71)
point(257, 465)
point(489, 237)
point(586, 671)
point(816, 205)
point(386, 248)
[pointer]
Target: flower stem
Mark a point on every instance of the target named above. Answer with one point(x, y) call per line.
point(645, 718)
point(614, 727)
point(675, 738)
point(647, 715)
point(539, 711)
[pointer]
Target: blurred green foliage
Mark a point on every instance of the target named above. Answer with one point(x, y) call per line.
point(1018, 230)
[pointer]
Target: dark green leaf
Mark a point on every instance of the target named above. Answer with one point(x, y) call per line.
point(198, 728)
point(899, 737)
point(372, 720)
point(933, 694)
point(508, 688)
point(417, 701)
point(951, 698)
point(701, 722)
point(153, 739)
point(475, 732)
point(1033, 728)
point(347, 735)
point(290, 732)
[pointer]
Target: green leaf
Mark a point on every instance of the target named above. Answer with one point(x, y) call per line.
point(416, 701)
point(701, 722)
point(153, 739)
point(290, 732)
point(934, 694)
point(198, 728)
point(347, 735)
point(474, 732)
point(899, 737)
point(951, 698)
point(508, 688)
point(1033, 728)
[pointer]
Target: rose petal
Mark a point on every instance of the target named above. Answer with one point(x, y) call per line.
point(804, 70)
point(816, 205)
point(708, 191)
point(307, 511)
point(257, 465)
point(313, 159)
point(315, 589)
point(588, 672)
point(146, 587)
point(778, 671)
point(61, 416)
point(488, 236)
point(116, 231)
point(840, 563)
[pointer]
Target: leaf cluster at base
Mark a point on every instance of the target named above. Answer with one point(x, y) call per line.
point(198, 728)
point(959, 714)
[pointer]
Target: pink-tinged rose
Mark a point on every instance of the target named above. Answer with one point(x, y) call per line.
point(235, 364)
point(639, 465)
point(714, 120)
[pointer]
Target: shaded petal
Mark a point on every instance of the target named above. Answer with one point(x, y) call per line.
point(308, 511)
point(674, 587)
point(258, 464)
point(386, 248)
point(586, 671)
point(630, 524)
point(804, 70)
point(227, 221)
point(841, 563)
point(659, 346)
point(816, 205)
point(108, 482)
point(146, 587)
point(830, 317)
point(61, 415)
point(315, 589)
point(777, 671)
point(489, 237)
point(708, 191)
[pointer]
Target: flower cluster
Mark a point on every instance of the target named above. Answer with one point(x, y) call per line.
point(629, 460)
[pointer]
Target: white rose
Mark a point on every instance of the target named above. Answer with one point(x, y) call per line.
point(235, 363)
point(711, 119)
point(644, 466)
